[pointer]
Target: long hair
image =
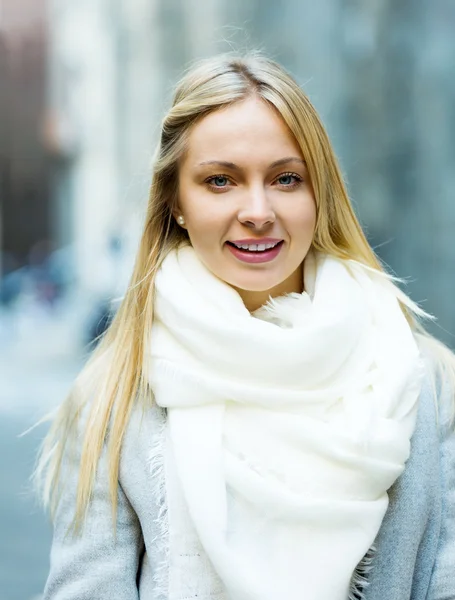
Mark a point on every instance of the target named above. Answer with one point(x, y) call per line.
point(113, 379)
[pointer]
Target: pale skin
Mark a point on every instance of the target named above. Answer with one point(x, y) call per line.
point(244, 176)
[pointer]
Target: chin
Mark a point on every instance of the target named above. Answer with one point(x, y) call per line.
point(250, 285)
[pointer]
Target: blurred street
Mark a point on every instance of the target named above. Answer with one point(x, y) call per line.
point(38, 361)
point(83, 89)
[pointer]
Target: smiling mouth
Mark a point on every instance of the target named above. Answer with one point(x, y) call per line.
point(255, 248)
point(255, 253)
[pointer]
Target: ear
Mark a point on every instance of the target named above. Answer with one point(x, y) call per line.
point(178, 216)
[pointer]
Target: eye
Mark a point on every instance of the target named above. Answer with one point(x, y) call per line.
point(289, 180)
point(218, 181)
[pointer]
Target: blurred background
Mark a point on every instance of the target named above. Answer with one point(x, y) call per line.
point(83, 86)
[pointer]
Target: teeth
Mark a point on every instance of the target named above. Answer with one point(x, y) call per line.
point(256, 247)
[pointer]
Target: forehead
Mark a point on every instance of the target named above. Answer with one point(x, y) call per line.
point(247, 130)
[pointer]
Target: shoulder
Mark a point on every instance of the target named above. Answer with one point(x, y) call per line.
point(439, 379)
point(141, 468)
point(145, 425)
point(441, 365)
point(143, 441)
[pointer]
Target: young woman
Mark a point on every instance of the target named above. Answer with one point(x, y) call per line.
point(264, 419)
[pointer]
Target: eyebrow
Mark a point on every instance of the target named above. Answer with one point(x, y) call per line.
point(234, 167)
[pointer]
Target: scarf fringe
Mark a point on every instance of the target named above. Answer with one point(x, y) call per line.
point(160, 544)
point(359, 581)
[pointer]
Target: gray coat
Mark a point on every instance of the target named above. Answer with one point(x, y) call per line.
point(415, 557)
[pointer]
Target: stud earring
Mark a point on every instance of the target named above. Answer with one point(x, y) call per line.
point(181, 220)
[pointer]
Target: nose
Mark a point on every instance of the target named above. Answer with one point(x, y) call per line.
point(256, 211)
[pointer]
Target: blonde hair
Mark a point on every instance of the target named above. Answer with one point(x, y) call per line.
point(113, 379)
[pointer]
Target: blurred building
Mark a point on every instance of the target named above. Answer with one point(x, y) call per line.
point(112, 65)
point(381, 75)
point(83, 132)
point(24, 174)
point(379, 72)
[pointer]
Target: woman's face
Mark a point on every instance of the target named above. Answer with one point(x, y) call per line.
point(247, 201)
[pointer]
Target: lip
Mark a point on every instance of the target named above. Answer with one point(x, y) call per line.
point(256, 258)
point(265, 240)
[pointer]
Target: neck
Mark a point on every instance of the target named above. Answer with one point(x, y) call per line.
point(255, 299)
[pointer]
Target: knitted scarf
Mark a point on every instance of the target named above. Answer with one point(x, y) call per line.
point(285, 428)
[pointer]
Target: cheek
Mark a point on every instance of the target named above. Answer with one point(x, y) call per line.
point(311, 218)
point(205, 228)
point(206, 219)
point(304, 219)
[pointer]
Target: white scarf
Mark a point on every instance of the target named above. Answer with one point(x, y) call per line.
point(285, 428)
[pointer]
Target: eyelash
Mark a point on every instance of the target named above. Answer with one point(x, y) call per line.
point(298, 178)
point(296, 183)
